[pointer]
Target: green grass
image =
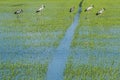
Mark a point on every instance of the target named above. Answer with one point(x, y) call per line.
point(86, 72)
point(109, 18)
point(92, 70)
point(20, 71)
point(31, 30)
point(93, 29)
point(94, 33)
point(96, 36)
point(54, 18)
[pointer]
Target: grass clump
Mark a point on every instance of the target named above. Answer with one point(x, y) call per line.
point(90, 72)
point(21, 71)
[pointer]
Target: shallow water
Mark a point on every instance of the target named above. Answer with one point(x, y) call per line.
point(105, 50)
point(13, 46)
point(57, 65)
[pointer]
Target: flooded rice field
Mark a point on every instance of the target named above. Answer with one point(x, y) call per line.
point(59, 45)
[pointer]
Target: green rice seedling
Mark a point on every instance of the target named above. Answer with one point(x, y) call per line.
point(28, 71)
point(52, 20)
point(95, 38)
point(90, 71)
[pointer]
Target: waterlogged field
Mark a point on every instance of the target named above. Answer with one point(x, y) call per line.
point(96, 49)
point(20, 71)
point(28, 41)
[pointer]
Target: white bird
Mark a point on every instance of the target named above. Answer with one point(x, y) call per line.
point(40, 9)
point(18, 11)
point(100, 11)
point(72, 9)
point(89, 8)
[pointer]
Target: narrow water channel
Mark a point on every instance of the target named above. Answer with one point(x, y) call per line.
point(57, 65)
